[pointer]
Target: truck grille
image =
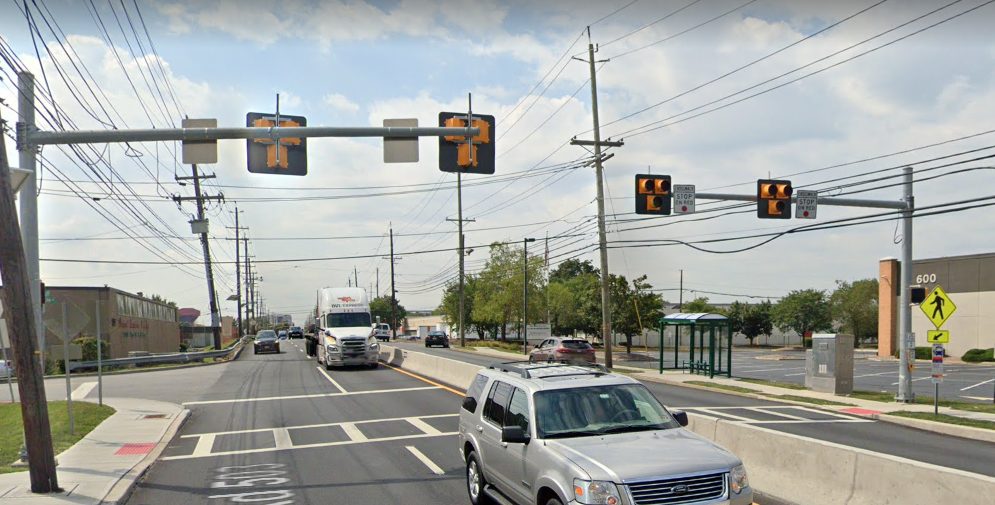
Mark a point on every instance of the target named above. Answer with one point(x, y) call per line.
point(681, 490)
point(354, 345)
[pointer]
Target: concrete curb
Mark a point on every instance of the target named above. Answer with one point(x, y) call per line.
point(952, 430)
point(125, 486)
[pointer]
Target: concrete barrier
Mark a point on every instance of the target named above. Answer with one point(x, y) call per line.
point(805, 470)
point(456, 373)
point(790, 467)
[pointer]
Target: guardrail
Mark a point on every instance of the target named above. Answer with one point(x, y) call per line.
point(183, 357)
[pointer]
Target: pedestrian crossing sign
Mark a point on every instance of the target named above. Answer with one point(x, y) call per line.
point(938, 307)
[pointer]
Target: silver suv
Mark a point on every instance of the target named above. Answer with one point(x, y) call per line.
point(554, 434)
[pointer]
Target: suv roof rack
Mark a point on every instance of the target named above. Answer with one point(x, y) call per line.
point(525, 368)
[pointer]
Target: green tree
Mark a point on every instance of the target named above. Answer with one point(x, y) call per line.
point(498, 300)
point(855, 308)
point(449, 307)
point(575, 298)
point(699, 305)
point(381, 307)
point(803, 311)
point(750, 320)
point(157, 298)
point(633, 307)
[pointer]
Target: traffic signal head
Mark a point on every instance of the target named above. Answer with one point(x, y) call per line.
point(773, 199)
point(454, 150)
point(653, 194)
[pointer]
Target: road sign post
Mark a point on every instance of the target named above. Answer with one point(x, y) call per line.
point(683, 199)
point(937, 373)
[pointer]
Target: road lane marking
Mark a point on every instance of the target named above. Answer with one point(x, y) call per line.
point(84, 389)
point(282, 438)
point(978, 384)
point(875, 374)
point(436, 384)
point(330, 379)
point(979, 398)
point(774, 412)
point(303, 397)
point(204, 446)
point(422, 425)
point(424, 459)
point(306, 446)
point(353, 432)
point(322, 425)
point(714, 412)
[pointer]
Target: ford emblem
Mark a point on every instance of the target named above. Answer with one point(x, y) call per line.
point(681, 489)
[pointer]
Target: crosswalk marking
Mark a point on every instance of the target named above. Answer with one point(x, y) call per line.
point(791, 414)
point(305, 446)
point(422, 425)
point(303, 397)
point(353, 432)
point(282, 438)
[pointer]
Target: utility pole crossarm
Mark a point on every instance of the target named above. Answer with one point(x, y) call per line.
point(602, 143)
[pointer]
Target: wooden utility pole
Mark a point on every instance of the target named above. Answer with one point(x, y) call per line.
point(19, 314)
point(211, 293)
point(393, 292)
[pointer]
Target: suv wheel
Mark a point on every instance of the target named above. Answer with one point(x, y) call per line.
point(553, 501)
point(475, 481)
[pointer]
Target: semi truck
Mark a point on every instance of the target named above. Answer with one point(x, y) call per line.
point(344, 331)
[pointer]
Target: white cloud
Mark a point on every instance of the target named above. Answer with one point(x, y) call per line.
point(340, 102)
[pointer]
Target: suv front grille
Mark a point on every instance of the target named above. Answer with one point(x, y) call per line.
point(680, 490)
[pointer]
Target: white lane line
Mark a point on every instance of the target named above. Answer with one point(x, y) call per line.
point(813, 421)
point(424, 459)
point(204, 445)
point(84, 389)
point(282, 438)
point(422, 425)
point(875, 374)
point(781, 414)
point(353, 432)
point(302, 397)
point(915, 380)
point(979, 398)
point(714, 413)
point(330, 379)
point(305, 446)
point(826, 413)
point(323, 425)
point(965, 389)
point(795, 374)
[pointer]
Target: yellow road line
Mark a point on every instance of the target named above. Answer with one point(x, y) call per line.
point(436, 384)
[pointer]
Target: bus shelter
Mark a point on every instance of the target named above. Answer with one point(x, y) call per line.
point(709, 343)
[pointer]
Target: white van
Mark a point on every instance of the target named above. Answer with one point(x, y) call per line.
point(344, 329)
point(382, 331)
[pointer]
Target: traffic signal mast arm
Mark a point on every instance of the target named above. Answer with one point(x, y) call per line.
point(823, 200)
point(38, 137)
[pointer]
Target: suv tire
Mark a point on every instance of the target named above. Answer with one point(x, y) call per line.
point(553, 501)
point(475, 482)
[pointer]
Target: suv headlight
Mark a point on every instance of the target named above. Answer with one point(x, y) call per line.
point(373, 343)
point(738, 479)
point(596, 492)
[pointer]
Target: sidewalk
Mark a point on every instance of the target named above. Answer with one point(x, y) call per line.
point(105, 465)
point(869, 408)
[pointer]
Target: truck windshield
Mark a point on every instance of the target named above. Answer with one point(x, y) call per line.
point(349, 320)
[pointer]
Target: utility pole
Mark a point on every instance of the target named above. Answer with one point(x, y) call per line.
point(20, 315)
point(355, 274)
point(248, 266)
point(393, 292)
point(680, 303)
point(606, 325)
point(378, 282)
point(525, 295)
point(27, 157)
point(462, 257)
point(906, 339)
point(215, 315)
point(238, 274)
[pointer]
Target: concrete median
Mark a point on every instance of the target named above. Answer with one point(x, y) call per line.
point(790, 467)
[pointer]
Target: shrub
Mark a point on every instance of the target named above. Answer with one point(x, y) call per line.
point(184, 347)
point(979, 355)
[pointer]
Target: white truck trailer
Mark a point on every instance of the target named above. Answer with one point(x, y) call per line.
point(344, 330)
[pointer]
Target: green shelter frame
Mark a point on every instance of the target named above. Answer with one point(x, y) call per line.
point(696, 326)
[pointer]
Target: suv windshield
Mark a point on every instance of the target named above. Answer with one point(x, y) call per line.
point(599, 410)
point(348, 320)
point(266, 334)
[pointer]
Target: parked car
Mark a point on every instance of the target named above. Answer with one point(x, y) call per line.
point(266, 340)
point(283, 335)
point(436, 338)
point(538, 433)
point(563, 349)
point(6, 369)
point(295, 332)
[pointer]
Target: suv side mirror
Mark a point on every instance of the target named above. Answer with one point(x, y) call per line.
point(514, 435)
point(680, 416)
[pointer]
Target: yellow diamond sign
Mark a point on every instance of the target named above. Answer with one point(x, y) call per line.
point(938, 307)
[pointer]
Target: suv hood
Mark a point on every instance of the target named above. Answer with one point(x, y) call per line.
point(626, 457)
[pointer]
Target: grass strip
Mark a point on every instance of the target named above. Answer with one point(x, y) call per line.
point(86, 416)
point(785, 385)
point(944, 418)
point(713, 385)
point(926, 400)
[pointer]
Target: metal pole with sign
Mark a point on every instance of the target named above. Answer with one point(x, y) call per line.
point(100, 359)
point(937, 373)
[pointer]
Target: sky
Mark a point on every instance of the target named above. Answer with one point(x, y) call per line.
point(834, 96)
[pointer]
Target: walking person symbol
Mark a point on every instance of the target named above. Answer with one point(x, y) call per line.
point(939, 302)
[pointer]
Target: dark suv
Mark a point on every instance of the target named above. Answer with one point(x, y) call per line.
point(295, 332)
point(556, 433)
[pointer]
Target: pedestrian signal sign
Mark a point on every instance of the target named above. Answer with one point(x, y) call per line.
point(938, 307)
point(938, 336)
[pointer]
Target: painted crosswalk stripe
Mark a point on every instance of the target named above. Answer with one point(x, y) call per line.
point(304, 397)
point(353, 432)
point(330, 379)
point(83, 390)
point(978, 384)
point(422, 425)
point(424, 459)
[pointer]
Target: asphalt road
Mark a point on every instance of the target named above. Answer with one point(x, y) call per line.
point(850, 430)
point(276, 429)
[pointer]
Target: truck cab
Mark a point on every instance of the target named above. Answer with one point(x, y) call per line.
point(344, 329)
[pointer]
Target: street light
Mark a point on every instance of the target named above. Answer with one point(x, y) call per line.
point(525, 312)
